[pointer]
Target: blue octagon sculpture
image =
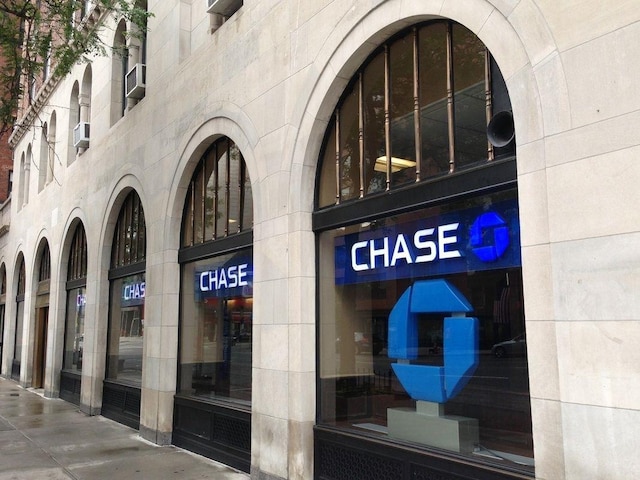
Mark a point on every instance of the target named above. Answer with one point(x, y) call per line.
point(426, 382)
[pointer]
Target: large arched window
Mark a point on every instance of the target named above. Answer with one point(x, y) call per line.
point(216, 308)
point(41, 316)
point(17, 351)
point(3, 301)
point(121, 392)
point(416, 110)
point(76, 287)
point(415, 207)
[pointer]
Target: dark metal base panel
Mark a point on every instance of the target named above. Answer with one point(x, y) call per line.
point(15, 370)
point(70, 385)
point(216, 431)
point(344, 456)
point(121, 403)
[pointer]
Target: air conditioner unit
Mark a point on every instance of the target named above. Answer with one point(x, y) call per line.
point(136, 81)
point(81, 135)
point(223, 7)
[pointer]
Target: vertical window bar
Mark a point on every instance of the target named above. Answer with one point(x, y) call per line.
point(241, 183)
point(227, 189)
point(416, 103)
point(488, 99)
point(216, 194)
point(387, 120)
point(192, 212)
point(135, 222)
point(450, 105)
point(142, 234)
point(337, 156)
point(361, 132)
point(203, 194)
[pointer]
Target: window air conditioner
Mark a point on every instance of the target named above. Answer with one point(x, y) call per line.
point(81, 135)
point(136, 81)
point(223, 7)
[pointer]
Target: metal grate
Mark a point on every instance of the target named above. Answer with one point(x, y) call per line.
point(232, 431)
point(340, 463)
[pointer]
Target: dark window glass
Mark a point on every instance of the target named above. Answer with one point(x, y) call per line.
point(434, 86)
point(216, 329)
point(469, 97)
point(44, 272)
point(403, 147)
point(74, 330)
point(129, 239)
point(126, 329)
point(219, 200)
point(359, 389)
point(375, 176)
point(433, 99)
point(349, 146)
point(76, 302)
point(327, 183)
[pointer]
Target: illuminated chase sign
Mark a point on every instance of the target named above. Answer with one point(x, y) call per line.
point(453, 242)
point(231, 279)
point(460, 347)
point(133, 293)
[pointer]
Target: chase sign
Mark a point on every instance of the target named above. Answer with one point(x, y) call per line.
point(472, 239)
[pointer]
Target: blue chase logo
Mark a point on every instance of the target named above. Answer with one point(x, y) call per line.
point(426, 382)
point(489, 237)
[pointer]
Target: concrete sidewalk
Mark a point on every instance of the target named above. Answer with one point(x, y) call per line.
point(51, 439)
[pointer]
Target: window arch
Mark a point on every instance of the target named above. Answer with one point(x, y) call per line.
point(408, 189)
point(416, 110)
point(44, 158)
point(51, 143)
point(216, 307)
point(74, 119)
point(219, 200)
point(3, 301)
point(76, 288)
point(127, 277)
point(18, 334)
point(119, 62)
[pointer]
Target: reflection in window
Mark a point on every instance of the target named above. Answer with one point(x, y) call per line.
point(128, 292)
point(364, 270)
point(217, 325)
point(126, 329)
point(76, 302)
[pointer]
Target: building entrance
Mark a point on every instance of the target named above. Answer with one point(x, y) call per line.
point(40, 348)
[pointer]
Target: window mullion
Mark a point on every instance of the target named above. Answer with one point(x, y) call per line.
point(450, 104)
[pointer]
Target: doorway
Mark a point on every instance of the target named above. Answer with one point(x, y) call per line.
point(40, 348)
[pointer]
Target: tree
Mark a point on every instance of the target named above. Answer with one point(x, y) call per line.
point(51, 36)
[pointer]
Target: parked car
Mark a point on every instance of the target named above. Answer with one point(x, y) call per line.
point(514, 347)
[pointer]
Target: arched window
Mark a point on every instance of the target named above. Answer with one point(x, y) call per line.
point(76, 287)
point(51, 143)
point(17, 341)
point(27, 174)
point(416, 110)
point(74, 120)
point(216, 306)
point(44, 158)
point(415, 206)
point(3, 301)
point(121, 391)
point(119, 63)
point(41, 317)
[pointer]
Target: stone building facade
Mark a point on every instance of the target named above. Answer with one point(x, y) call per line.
point(209, 236)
